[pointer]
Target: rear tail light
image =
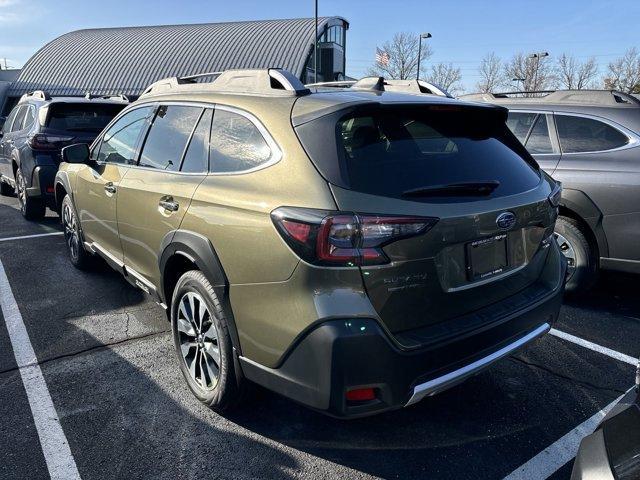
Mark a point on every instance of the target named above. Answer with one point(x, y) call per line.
point(41, 141)
point(338, 239)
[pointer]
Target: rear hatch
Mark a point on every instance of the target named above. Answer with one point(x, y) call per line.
point(66, 123)
point(458, 165)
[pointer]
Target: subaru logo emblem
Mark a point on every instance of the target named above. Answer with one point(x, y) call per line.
point(506, 220)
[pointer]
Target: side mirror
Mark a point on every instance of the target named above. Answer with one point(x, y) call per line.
point(76, 153)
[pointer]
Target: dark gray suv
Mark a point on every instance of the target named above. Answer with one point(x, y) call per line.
point(590, 141)
point(33, 135)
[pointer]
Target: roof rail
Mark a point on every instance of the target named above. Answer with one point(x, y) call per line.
point(591, 97)
point(268, 81)
point(39, 94)
point(372, 83)
point(335, 83)
point(120, 96)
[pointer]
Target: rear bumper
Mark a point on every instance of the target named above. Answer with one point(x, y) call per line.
point(42, 180)
point(340, 355)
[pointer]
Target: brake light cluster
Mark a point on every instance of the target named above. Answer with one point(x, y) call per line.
point(338, 239)
point(41, 141)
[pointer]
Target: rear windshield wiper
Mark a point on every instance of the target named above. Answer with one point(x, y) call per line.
point(454, 189)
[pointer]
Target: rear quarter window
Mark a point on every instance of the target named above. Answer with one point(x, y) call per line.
point(581, 134)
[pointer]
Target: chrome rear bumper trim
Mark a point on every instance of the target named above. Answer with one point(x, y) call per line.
point(452, 378)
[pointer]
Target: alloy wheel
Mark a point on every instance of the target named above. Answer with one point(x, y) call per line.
point(70, 230)
point(568, 251)
point(22, 191)
point(198, 338)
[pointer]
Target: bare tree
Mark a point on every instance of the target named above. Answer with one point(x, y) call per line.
point(402, 53)
point(491, 74)
point(446, 76)
point(574, 75)
point(624, 73)
point(536, 73)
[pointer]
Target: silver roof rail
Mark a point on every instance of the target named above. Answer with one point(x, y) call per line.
point(373, 83)
point(590, 97)
point(268, 81)
point(335, 83)
point(38, 94)
point(120, 96)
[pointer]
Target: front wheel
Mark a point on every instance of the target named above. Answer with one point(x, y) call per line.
point(31, 208)
point(581, 255)
point(79, 257)
point(203, 343)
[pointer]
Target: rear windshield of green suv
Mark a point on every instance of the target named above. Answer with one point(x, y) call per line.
point(390, 151)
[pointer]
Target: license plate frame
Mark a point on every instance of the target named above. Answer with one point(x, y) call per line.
point(481, 268)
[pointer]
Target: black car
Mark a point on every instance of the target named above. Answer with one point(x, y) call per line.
point(612, 451)
point(590, 141)
point(33, 135)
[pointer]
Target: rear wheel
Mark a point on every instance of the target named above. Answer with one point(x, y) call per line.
point(203, 343)
point(79, 257)
point(581, 255)
point(31, 208)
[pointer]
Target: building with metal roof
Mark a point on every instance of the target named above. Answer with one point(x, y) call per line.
point(109, 61)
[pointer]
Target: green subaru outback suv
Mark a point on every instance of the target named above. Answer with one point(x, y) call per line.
point(354, 250)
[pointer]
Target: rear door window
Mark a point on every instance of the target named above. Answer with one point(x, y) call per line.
point(168, 137)
point(29, 117)
point(236, 143)
point(520, 124)
point(539, 141)
point(581, 134)
point(397, 150)
point(119, 143)
point(196, 159)
point(81, 117)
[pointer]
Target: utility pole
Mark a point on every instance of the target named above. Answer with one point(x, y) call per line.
point(425, 36)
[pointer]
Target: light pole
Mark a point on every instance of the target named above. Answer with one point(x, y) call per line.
point(537, 57)
point(425, 36)
point(519, 80)
point(315, 45)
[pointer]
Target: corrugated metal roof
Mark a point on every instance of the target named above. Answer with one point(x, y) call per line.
point(126, 60)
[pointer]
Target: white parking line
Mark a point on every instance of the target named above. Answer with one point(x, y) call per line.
point(8, 239)
point(57, 454)
point(552, 458)
point(595, 347)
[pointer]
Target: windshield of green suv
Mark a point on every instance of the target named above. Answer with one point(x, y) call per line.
point(401, 152)
point(81, 117)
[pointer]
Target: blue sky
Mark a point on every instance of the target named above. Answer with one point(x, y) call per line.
point(463, 31)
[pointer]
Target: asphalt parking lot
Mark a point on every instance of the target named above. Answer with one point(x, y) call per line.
point(106, 355)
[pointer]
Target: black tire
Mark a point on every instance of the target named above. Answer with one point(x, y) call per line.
point(79, 257)
point(582, 255)
point(6, 190)
point(30, 207)
point(221, 393)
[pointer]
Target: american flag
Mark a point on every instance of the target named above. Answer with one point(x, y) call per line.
point(382, 57)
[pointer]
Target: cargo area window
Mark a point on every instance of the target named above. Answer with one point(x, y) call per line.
point(581, 134)
point(236, 143)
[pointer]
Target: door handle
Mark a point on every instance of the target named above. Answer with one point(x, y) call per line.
point(170, 205)
point(110, 188)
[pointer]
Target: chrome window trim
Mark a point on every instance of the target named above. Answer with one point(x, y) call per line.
point(634, 139)
point(276, 151)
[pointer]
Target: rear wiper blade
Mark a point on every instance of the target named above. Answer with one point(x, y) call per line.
point(454, 189)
